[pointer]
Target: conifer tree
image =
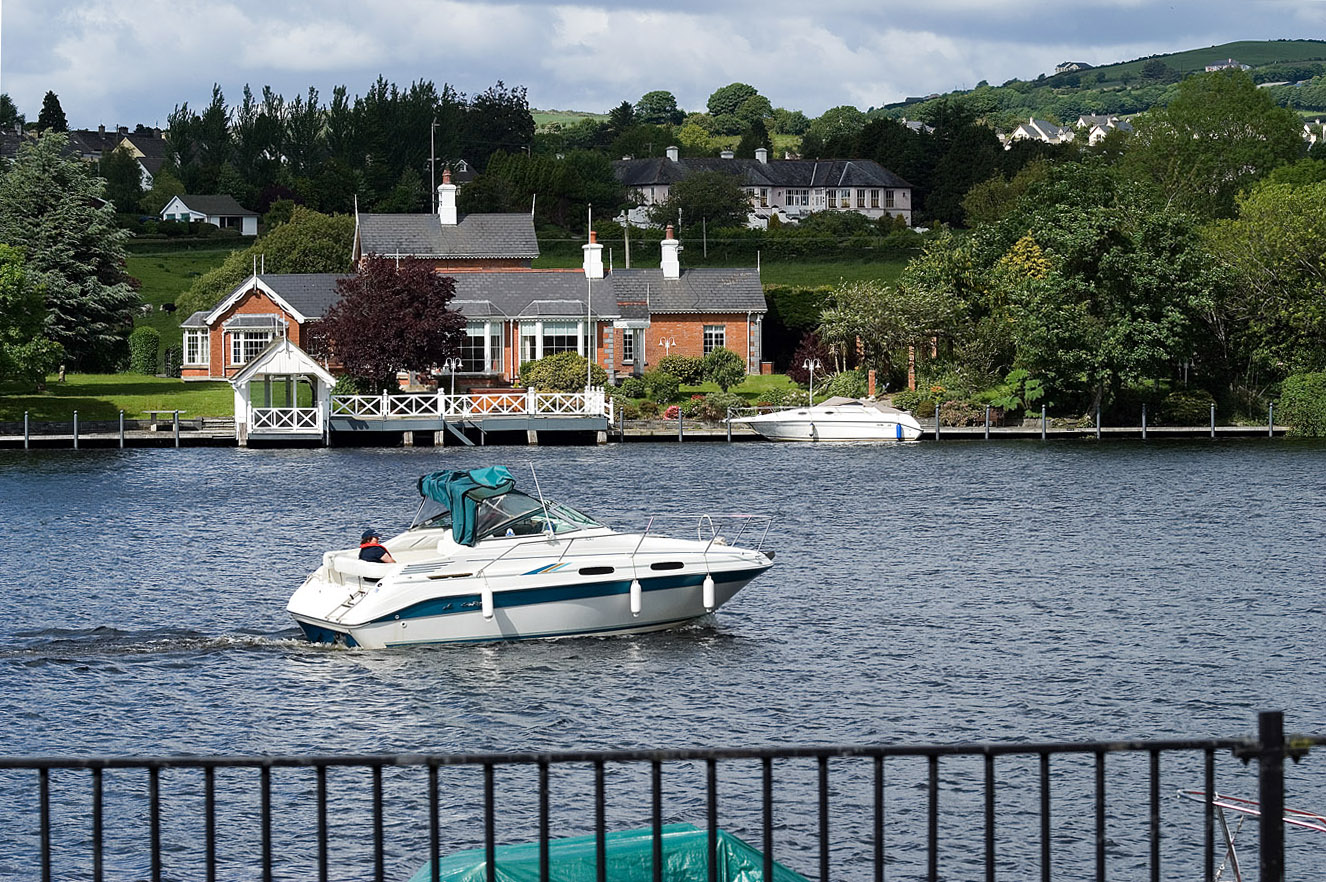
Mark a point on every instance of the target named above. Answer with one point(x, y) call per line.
point(51, 205)
point(51, 118)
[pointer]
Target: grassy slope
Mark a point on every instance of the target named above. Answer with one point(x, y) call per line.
point(166, 275)
point(1253, 52)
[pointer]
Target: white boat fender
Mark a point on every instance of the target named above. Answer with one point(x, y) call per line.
point(707, 592)
point(486, 600)
point(637, 596)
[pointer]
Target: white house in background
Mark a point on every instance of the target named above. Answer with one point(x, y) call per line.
point(1227, 64)
point(790, 188)
point(1039, 130)
point(1071, 66)
point(1314, 131)
point(1097, 127)
point(221, 210)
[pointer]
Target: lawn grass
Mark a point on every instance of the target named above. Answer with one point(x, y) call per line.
point(165, 275)
point(754, 388)
point(103, 396)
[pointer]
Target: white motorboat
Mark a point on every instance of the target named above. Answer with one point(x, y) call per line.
point(483, 561)
point(836, 419)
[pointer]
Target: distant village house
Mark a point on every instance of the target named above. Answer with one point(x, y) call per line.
point(221, 210)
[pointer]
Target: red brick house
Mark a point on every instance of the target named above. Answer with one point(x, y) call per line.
point(629, 319)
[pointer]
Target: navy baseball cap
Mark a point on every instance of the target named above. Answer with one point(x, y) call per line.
point(370, 534)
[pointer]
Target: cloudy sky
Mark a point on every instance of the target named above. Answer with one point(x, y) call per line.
point(118, 62)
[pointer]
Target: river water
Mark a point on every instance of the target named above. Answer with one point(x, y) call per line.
point(951, 592)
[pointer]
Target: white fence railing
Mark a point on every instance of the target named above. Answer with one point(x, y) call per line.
point(476, 405)
point(286, 419)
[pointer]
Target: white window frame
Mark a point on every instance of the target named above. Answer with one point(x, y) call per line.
point(628, 346)
point(888, 199)
point(197, 348)
point(531, 336)
point(245, 345)
point(715, 337)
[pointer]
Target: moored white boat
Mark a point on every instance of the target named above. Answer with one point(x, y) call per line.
point(483, 561)
point(836, 419)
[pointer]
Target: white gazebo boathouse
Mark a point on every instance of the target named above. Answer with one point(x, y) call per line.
point(282, 394)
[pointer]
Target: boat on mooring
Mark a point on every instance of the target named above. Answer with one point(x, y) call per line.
point(836, 419)
point(483, 561)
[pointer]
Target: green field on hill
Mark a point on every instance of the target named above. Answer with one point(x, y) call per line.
point(165, 275)
point(1257, 53)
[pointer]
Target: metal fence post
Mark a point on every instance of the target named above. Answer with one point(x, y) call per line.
point(1143, 420)
point(26, 439)
point(1270, 420)
point(1213, 420)
point(177, 428)
point(121, 428)
point(1097, 422)
point(729, 425)
point(1042, 422)
point(936, 420)
point(987, 422)
point(680, 434)
point(75, 430)
point(1271, 794)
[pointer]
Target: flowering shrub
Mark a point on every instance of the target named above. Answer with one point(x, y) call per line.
point(672, 412)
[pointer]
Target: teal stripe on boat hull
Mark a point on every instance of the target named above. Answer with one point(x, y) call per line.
point(506, 599)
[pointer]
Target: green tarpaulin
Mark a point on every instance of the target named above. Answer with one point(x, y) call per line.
point(462, 492)
point(630, 856)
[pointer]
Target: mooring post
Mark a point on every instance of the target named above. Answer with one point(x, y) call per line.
point(121, 428)
point(1213, 419)
point(1042, 422)
point(1098, 422)
point(680, 432)
point(75, 430)
point(1143, 420)
point(1271, 794)
point(1270, 421)
point(25, 430)
point(729, 425)
point(987, 422)
point(176, 422)
point(936, 420)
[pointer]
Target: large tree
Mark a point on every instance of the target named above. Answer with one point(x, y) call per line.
point(712, 197)
point(1219, 135)
point(309, 242)
point(26, 356)
point(51, 205)
point(658, 108)
point(392, 316)
point(9, 115)
point(51, 118)
point(728, 99)
point(497, 119)
point(124, 179)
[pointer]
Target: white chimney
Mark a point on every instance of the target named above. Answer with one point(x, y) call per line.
point(671, 265)
point(673, 153)
point(446, 200)
point(762, 155)
point(726, 154)
point(593, 257)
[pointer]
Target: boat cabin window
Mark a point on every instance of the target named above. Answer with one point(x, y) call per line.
point(519, 515)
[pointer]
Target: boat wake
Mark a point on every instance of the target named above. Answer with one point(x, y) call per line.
point(83, 642)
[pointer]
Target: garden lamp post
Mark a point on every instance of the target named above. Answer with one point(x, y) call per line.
point(667, 343)
point(451, 365)
point(810, 364)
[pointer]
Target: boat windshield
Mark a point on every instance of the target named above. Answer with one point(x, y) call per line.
point(432, 515)
point(515, 514)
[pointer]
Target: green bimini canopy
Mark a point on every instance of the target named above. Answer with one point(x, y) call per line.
point(630, 855)
point(462, 492)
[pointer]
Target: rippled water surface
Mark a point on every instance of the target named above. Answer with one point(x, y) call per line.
point(926, 593)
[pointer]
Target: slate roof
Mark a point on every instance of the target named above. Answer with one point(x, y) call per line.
point(312, 294)
point(809, 173)
point(698, 290)
point(94, 143)
point(423, 235)
point(221, 204)
point(531, 293)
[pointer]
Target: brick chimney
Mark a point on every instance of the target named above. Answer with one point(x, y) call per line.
point(446, 200)
point(593, 257)
point(671, 264)
point(673, 153)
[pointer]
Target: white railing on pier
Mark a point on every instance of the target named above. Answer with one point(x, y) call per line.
point(294, 420)
point(476, 405)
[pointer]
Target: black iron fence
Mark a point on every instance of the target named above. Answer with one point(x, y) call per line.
point(973, 811)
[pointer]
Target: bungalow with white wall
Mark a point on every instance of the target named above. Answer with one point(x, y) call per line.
point(220, 209)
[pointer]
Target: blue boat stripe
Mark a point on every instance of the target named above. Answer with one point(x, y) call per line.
point(576, 632)
point(463, 603)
